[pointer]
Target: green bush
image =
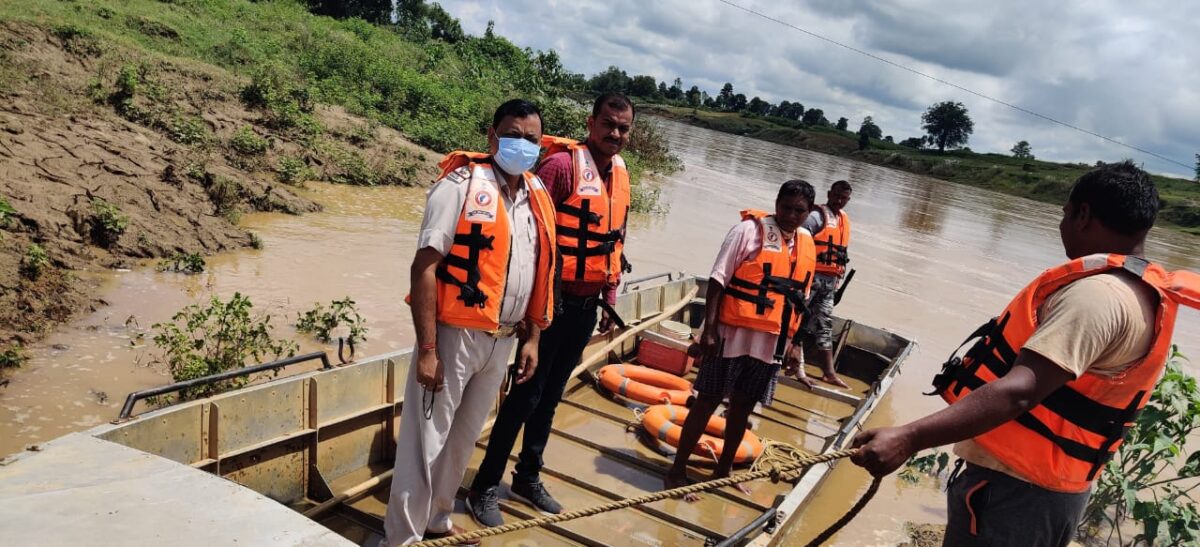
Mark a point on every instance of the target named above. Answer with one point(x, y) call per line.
point(247, 142)
point(77, 40)
point(188, 263)
point(187, 130)
point(1151, 478)
point(107, 222)
point(284, 102)
point(293, 170)
point(224, 335)
point(225, 194)
point(34, 262)
point(321, 321)
point(6, 213)
point(12, 356)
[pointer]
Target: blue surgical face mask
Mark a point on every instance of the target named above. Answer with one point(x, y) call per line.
point(516, 156)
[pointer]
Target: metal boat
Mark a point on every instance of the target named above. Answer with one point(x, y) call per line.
point(306, 459)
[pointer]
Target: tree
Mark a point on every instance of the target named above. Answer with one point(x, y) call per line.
point(642, 86)
point(948, 124)
point(864, 138)
point(693, 97)
point(375, 11)
point(662, 89)
point(738, 103)
point(842, 124)
point(725, 97)
point(889, 139)
point(444, 26)
point(759, 106)
point(1022, 150)
point(675, 92)
point(814, 116)
point(868, 126)
point(914, 142)
point(611, 80)
point(791, 111)
point(1197, 167)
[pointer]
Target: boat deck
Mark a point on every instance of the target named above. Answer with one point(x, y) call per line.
point(321, 444)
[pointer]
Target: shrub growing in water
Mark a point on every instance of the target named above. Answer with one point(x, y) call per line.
point(12, 357)
point(321, 321)
point(224, 335)
point(188, 263)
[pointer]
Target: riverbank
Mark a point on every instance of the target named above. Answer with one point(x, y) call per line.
point(1043, 181)
point(158, 124)
point(116, 155)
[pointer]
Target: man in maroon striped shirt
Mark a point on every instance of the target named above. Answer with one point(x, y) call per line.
point(589, 185)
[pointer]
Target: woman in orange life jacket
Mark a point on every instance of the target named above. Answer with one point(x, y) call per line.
point(830, 227)
point(1044, 396)
point(483, 272)
point(754, 299)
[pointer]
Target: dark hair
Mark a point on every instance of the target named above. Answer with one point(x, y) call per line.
point(797, 187)
point(841, 185)
point(615, 101)
point(516, 108)
point(1121, 196)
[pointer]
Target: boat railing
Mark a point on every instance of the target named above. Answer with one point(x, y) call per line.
point(133, 398)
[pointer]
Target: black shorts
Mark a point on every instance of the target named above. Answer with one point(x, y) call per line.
point(745, 375)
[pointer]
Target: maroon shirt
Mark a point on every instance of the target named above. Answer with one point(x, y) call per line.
point(557, 172)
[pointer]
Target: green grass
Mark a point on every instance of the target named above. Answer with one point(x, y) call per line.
point(1039, 180)
point(438, 94)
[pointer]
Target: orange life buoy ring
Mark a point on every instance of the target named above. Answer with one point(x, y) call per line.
point(645, 384)
point(665, 422)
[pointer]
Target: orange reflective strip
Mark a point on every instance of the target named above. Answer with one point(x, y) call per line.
point(967, 500)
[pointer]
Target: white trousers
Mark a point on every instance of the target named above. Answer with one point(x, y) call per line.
point(432, 454)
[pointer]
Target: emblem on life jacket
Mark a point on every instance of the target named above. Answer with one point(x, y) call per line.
point(772, 239)
point(483, 204)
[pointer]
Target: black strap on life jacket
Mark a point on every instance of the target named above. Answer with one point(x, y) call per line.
point(993, 351)
point(585, 217)
point(833, 255)
point(757, 294)
point(475, 242)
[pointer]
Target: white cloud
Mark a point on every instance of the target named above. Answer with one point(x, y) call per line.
point(1126, 70)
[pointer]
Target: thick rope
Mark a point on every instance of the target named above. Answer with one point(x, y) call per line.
point(849, 516)
point(775, 474)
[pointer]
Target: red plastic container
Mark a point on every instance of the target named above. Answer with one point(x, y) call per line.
point(664, 353)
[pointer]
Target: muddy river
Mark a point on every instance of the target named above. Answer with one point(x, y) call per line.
point(934, 259)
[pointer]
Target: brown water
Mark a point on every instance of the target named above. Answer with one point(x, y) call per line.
point(934, 260)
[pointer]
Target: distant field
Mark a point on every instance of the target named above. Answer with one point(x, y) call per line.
point(1040, 180)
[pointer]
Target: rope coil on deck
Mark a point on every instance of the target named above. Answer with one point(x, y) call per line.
point(775, 473)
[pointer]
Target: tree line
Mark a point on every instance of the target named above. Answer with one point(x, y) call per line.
point(946, 124)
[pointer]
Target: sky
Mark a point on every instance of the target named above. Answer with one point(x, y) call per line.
point(1121, 69)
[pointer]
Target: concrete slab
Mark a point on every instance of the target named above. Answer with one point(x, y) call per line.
point(79, 490)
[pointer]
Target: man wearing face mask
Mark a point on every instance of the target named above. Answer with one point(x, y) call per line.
point(589, 185)
point(482, 277)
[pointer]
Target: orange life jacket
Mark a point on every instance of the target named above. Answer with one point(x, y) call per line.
point(832, 242)
point(590, 222)
point(472, 276)
point(768, 290)
point(1063, 443)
